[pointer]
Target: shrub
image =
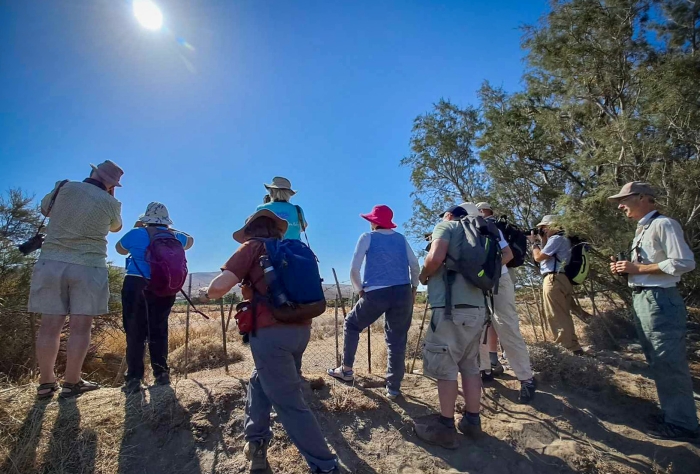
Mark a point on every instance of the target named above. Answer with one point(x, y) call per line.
point(204, 353)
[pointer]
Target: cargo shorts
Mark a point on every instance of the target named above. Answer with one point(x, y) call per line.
point(61, 288)
point(452, 347)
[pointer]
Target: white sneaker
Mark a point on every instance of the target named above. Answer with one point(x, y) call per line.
point(340, 374)
point(392, 395)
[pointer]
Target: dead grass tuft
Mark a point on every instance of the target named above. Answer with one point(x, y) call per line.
point(316, 383)
point(556, 364)
point(345, 398)
point(204, 353)
point(615, 322)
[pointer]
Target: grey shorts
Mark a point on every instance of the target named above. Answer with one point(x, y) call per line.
point(452, 348)
point(66, 288)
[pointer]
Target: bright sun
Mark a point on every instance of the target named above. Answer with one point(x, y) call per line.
point(148, 14)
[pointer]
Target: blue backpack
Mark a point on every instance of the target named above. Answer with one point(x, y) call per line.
point(295, 290)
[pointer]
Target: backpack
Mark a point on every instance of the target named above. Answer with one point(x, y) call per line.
point(479, 258)
point(166, 256)
point(577, 269)
point(297, 277)
point(517, 241)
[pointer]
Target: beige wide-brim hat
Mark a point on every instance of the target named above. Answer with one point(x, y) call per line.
point(109, 172)
point(483, 205)
point(548, 220)
point(278, 182)
point(240, 235)
point(156, 213)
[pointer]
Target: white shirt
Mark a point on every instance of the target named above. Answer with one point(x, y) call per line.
point(662, 242)
point(359, 257)
point(503, 244)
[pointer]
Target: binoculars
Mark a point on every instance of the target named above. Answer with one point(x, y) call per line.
point(32, 244)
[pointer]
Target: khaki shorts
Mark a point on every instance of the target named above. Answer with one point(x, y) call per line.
point(66, 288)
point(452, 347)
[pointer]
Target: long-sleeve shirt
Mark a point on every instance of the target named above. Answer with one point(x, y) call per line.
point(660, 241)
point(359, 257)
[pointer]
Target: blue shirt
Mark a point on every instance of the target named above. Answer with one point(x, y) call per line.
point(288, 212)
point(135, 242)
point(559, 246)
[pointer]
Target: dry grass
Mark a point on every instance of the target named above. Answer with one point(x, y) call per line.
point(345, 398)
point(204, 353)
point(556, 364)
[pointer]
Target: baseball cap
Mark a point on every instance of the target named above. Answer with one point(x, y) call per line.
point(457, 211)
point(634, 187)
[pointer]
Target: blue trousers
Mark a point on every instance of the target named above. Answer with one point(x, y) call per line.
point(660, 318)
point(396, 304)
point(276, 382)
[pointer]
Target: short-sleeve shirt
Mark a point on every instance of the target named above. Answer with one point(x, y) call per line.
point(462, 291)
point(82, 216)
point(289, 213)
point(136, 241)
point(557, 246)
point(245, 264)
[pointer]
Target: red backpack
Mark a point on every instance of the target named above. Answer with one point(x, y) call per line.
point(166, 256)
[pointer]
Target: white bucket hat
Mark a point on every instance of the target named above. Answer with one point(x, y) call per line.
point(471, 208)
point(549, 219)
point(156, 213)
point(483, 205)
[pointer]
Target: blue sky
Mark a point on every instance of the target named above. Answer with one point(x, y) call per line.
point(322, 92)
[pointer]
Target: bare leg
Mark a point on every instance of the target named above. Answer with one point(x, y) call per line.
point(471, 387)
point(447, 393)
point(492, 340)
point(78, 344)
point(47, 343)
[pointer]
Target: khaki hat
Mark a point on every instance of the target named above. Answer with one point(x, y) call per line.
point(548, 220)
point(240, 235)
point(483, 205)
point(471, 208)
point(278, 182)
point(634, 187)
point(108, 172)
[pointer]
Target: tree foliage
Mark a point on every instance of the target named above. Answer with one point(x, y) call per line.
point(611, 94)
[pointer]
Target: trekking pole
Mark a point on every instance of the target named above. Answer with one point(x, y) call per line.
point(420, 334)
point(337, 352)
point(340, 298)
point(187, 328)
point(223, 333)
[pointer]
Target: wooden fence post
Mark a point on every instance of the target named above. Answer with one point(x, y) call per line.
point(187, 326)
point(223, 333)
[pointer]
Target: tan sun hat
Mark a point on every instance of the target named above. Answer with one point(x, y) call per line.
point(483, 205)
point(240, 235)
point(634, 187)
point(278, 182)
point(549, 220)
point(108, 172)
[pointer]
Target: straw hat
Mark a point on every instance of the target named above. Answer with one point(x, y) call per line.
point(240, 235)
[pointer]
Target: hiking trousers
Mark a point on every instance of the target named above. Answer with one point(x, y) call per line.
point(276, 382)
point(506, 323)
point(660, 319)
point(141, 327)
point(396, 304)
point(558, 296)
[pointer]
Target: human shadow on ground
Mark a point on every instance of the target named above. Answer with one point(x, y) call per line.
point(22, 456)
point(585, 414)
point(157, 435)
point(71, 448)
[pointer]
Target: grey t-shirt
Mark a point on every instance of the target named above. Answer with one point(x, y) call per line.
point(559, 246)
point(462, 291)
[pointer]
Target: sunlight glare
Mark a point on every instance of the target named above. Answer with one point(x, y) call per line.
point(148, 14)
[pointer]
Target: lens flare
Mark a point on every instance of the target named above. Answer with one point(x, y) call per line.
point(148, 14)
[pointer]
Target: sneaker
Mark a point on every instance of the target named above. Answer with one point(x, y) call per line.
point(132, 387)
point(256, 453)
point(497, 370)
point(527, 391)
point(340, 374)
point(434, 432)
point(486, 376)
point(667, 431)
point(163, 378)
point(469, 430)
point(392, 394)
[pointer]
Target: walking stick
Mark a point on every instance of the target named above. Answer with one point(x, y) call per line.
point(420, 333)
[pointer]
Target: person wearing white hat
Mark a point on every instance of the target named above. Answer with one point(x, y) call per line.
point(71, 274)
point(552, 250)
point(279, 194)
point(145, 314)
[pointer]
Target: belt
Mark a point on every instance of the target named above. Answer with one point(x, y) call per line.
point(639, 289)
point(457, 306)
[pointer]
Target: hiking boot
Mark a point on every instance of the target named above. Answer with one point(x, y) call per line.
point(667, 431)
point(132, 387)
point(340, 374)
point(434, 432)
point(527, 391)
point(256, 453)
point(497, 370)
point(486, 376)
point(469, 430)
point(163, 378)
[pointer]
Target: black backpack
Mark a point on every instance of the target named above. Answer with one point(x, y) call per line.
point(517, 241)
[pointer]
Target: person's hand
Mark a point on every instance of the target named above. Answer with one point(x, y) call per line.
point(423, 279)
point(613, 265)
point(202, 295)
point(110, 191)
point(623, 266)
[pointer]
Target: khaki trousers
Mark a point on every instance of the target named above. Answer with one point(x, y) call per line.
point(558, 296)
point(506, 323)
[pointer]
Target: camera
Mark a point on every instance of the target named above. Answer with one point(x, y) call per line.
point(536, 231)
point(32, 245)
